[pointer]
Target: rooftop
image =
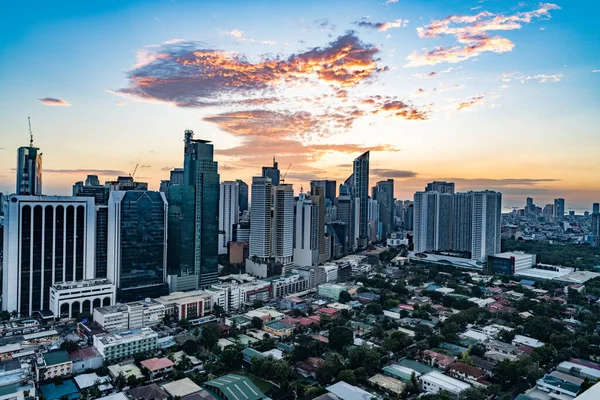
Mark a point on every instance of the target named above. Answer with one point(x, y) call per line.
point(156, 364)
point(138, 334)
point(346, 391)
point(52, 391)
point(56, 357)
point(278, 326)
point(446, 382)
point(148, 392)
point(182, 387)
point(235, 387)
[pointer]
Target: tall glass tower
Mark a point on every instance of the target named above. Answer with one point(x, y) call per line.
point(361, 195)
point(194, 219)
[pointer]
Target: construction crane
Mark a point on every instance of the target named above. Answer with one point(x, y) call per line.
point(286, 172)
point(30, 133)
point(134, 171)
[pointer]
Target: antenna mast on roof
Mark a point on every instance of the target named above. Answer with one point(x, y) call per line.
point(30, 133)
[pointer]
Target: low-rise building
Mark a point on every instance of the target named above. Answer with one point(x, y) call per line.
point(331, 291)
point(193, 304)
point(125, 369)
point(435, 382)
point(234, 387)
point(118, 346)
point(86, 358)
point(293, 303)
point(157, 366)
point(288, 285)
point(69, 299)
point(52, 365)
point(278, 328)
point(520, 340)
point(134, 315)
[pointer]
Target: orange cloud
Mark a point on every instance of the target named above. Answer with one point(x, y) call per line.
point(472, 35)
point(51, 101)
point(479, 99)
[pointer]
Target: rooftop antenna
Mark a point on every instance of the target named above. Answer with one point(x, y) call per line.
point(30, 133)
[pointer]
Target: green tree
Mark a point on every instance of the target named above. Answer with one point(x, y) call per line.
point(190, 347)
point(69, 345)
point(256, 323)
point(345, 297)
point(184, 323)
point(347, 375)
point(211, 333)
point(340, 337)
point(231, 357)
point(374, 309)
point(258, 304)
point(120, 381)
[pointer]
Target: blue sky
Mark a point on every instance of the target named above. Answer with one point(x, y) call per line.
point(516, 111)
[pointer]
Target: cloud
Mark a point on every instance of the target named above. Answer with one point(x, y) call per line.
point(323, 24)
point(112, 172)
point(596, 70)
point(472, 35)
point(51, 101)
point(120, 104)
point(187, 75)
point(392, 173)
point(401, 109)
point(240, 37)
point(502, 182)
point(382, 26)
point(542, 78)
point(390, 1)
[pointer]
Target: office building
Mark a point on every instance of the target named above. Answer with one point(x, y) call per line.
point(29, 170)
point(559, 208)
point(306, 246)
point(272, 172)
point(243, 190)
point(595, 221)
point(345, 215)
point(318, 199)
point(375, 226)
point(432, 221)
point(282, 248)
point(329, 189)
point(260, 218)
point(383, 192)
point(119, 346)
point(462, 222)
point(128, 316)
point(360, 185)
point(228, 213)
point(510, 263)
point(193, 218)
point(47, 239)
point(69, 299)
point(441, 187)
point(137, 251)
point(596, 208)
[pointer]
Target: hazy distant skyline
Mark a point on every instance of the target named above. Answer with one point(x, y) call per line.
point(487, 94)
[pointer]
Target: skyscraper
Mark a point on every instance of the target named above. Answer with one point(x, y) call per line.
point(559, 208)
point(260, 219)
point(29, 170)
point(194, 230)
point(282, 236)
point(361, 195)
point(432, 221)
point(440, 186)
point(137, 251)
point(462, 222)
point(306, 246)
point(47, 239)
point(486, 220)
point(384, 194)
point(318, 199)
point(243, 195)
point(272, 172)
point(345, 214)
point(596, 208)
point(596, 219)
point(329, 189)
point(228, 212)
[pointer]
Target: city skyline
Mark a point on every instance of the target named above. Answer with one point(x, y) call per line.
point(274, 91)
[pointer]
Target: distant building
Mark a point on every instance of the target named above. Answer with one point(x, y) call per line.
point(243, 204)
point(128, 316)
point(229, 199)
point(282, 247)
point(29, 171)
point(194, 304)
point(383, 192)
point(306, 247)
point(261, 219)
point(440, 187)
point(435, 382)
point(559, 208)
point(360, 185)
point(52, 365)
point(272, 173)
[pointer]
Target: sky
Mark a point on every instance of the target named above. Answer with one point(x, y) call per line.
point(490, 94)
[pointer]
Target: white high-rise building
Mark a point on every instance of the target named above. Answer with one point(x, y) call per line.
point(47, 240)
point(486, 220)
point(260, 218)
point(432, 221)
point(306, 246)
point(282, 234)
point(229, 201)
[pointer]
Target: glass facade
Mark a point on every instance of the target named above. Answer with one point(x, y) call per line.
point(142, 239)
